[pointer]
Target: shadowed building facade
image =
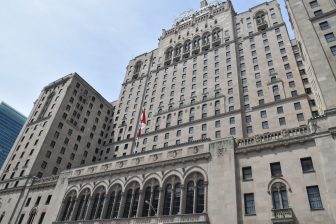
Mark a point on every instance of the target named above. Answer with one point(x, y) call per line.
point(234, 133)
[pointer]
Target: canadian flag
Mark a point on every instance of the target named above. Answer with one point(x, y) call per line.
point(143, 123)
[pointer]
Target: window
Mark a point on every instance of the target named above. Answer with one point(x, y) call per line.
point(249, 130)
point(276, 169)
point(314, 197)
point(333, 50)
point(247, 173)
point(329, 37)
point(318, 12)
point(324, 25)
point(249, 204)
point(263, 114)
point(264, 125)
point(232, 131)
point(282, 121)
point(313, 4)
point(279, 196)
point(297, 106)
point(218, 134)
point(307, 165)
point(300, 117)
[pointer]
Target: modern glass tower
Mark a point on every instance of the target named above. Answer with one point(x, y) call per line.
point(11, 122)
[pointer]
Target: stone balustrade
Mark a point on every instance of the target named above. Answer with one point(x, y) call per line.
point(284, 215)
point(274, 136)
point(177, 219)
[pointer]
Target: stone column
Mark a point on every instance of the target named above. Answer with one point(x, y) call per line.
point(151, 202)
point(62, 210)
point(98, 205)
point(89, 207)
point(73, 213)
point(182, 200)
point(172, 199)
point(83, 207)
point(205, 197)
point(131, 204)
point(195, 197)
point(122, 204)
point(160, 204)
point(140, 203)
point(105, 206)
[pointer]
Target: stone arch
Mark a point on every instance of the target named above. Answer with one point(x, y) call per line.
point(276, 180)
point(135, 180)
point(206, 38)
point(72, 188)
point(100, 184)
point(195, 169)
point(170, 174)
point(169, 53)
point(187, 46)
point(86, 186)
point(196, 42)
point(117, 182)
point(178, 49)
point(153, 176)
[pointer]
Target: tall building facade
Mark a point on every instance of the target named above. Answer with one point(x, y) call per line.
point(11, 122)
point(238, 130)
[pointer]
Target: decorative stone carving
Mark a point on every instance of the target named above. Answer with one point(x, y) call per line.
point(220, 152)
point(285, 133)
point(196, 150)
point(137, 161)
point(120, 164)
point(172, 154)
point(155, 157)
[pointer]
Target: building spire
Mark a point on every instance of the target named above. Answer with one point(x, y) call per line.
point(204, 3)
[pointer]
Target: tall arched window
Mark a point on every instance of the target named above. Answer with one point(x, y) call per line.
point(200, 197)
point(279, 196)
point(195, 195)
point(111, 200)
point(190, 197)
point(135, 202)
point(155, 200)
point(131, 200)
point(177, 199)
point(172, 196)
point(206, 38)
point(137, 67)
point(83, 204)
point(145, 209)
point(187, 46)
point(167, 199)
point(128, 203)
point(216, 34)
point(196, 42)
point(116, 207)
point(98, 202)
point(68, 205)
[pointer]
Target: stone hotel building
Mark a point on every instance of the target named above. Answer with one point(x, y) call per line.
point(241, 129)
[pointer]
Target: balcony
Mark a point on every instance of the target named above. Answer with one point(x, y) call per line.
point(178, 219)
point(216, 42)
point(283, 216)
point(168, 61)
point(262, 25)
point(186, 53)
point(206, 46)
point(196, 50)
point(177, 57)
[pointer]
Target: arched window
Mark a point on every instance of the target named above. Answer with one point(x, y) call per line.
point(145, 209)
point(131, 200)
point(279, 196)
point(195, 195)
point(200, 197)
point(196, 42)
point(116, 207)
point(190, 197)
point(155, 200)
point(68, 205)
point(128, 203)
point(187, 46)
point(167, 199)
point(178, 50)
point(169, 53)
point(177, 199)
point(216, 34)
point(206, 38)
point(260, 18)
point(111, 200)
point(172, 196)
point(98, 202)
point(83, 204)
point(137, 67)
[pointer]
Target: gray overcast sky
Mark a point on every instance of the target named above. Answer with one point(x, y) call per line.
point(43, 40)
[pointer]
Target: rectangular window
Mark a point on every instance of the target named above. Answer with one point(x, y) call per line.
point(249, 204)
point(232, 131)
point(247, 173)
point(318, 12)
point(282, 121)
point(313, 4)
point(329, 37)
point(300, 117)
point(324, 25)
point(333, 50)
point(314, 197)
point(276, 169)
point(264, 125)
point(307, 165)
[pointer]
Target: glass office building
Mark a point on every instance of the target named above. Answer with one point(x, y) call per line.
point(11, 122)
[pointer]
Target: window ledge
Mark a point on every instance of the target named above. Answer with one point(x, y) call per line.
point(316, 209)
point(251, 214)
point(247, 180)
point(309, 171)
point(277, 176)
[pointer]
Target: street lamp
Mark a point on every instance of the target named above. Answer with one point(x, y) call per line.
point(156, 214)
